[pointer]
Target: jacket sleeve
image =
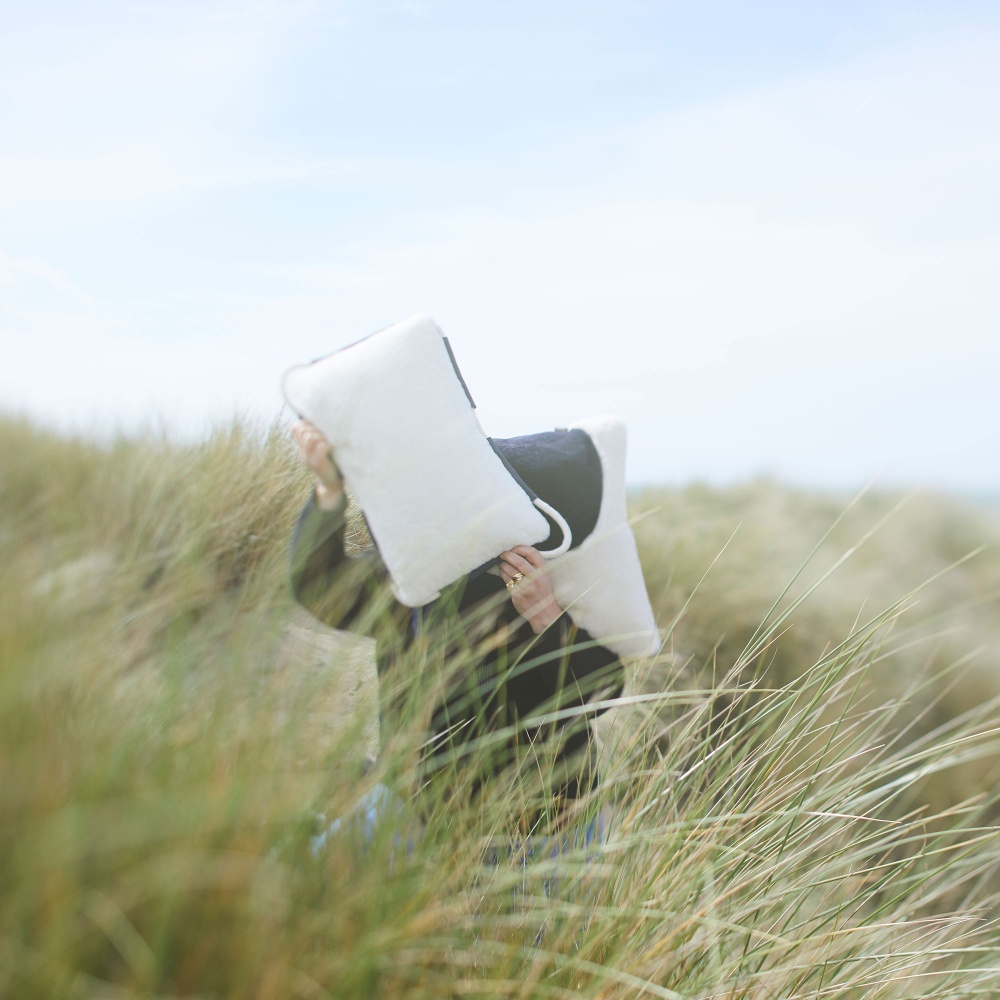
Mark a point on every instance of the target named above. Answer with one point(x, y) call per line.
point(342, 591)
point(590, 671)
point(568, 668)
point(572, 671)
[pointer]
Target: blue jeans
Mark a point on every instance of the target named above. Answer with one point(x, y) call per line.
point(381, 804)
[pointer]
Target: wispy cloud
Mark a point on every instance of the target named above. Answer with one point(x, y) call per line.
point(708, 266)
point(132, 103)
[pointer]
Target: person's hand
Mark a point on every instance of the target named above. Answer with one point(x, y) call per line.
point(524, 572)
point(314, 451)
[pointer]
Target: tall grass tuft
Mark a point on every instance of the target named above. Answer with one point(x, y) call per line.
point(800, 793)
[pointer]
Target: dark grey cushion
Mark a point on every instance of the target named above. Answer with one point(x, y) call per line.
point(563, 468)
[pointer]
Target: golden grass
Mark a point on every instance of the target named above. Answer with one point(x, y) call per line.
point(803, 807)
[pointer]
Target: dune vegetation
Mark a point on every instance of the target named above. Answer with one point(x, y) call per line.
point(801, 791)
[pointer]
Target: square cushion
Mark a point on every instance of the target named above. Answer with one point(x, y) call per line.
point(439, 500)
point(599, 584)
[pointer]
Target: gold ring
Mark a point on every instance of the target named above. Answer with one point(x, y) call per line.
point(518, 577)
point(510, 584)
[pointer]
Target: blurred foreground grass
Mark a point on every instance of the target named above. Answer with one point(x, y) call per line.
point(804, 785)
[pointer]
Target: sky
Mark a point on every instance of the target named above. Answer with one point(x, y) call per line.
point(765, 234)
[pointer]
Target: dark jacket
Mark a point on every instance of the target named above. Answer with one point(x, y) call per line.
point(505, 676)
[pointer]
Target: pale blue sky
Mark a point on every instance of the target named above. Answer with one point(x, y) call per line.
point(767, 234)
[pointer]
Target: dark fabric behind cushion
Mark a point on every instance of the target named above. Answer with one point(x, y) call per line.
point(564, 469)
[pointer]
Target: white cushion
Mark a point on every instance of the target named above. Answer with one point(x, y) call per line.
point(600, 583)
point(439, 501)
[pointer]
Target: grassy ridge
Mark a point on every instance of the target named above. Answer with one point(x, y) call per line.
point(934, 559)
point(802, 806)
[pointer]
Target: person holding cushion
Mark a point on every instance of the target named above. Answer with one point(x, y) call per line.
point(529, 656)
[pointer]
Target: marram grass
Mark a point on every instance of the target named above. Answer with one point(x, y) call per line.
point(798, 805)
